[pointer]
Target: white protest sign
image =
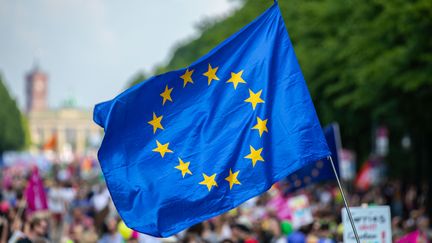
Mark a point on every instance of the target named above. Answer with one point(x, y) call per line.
point(301, 212)
point(373, 224)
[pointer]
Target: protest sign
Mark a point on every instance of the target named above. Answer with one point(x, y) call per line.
point(373, 224)
point(301, 211)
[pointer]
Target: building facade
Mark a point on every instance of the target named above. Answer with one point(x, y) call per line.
point(66, 129)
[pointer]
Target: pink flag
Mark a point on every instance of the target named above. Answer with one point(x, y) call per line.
point(413, 237)
point(35, 193)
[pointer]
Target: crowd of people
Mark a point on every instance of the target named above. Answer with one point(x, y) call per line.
point(79, 209)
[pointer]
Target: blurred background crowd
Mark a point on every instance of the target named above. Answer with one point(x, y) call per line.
point(70, 203)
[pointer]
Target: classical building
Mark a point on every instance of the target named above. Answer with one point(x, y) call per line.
point(63, 129)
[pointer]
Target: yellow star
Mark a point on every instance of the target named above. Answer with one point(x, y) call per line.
point(261, 126)
point(209, 181)
point(236, 79)
point(183, 167)
point(166, 95)
point(156, 123)
point(187, 77)
point(162, 148)
point(255, 155)
point(254, 98)
point(232, 179)
point(211, 74)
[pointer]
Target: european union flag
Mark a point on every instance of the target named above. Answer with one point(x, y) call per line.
point(320, 170)
point(190, 144)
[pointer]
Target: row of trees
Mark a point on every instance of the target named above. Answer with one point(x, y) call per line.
point(12, 123)
point(367, 63)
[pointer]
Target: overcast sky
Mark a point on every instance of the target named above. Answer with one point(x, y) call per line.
point(91, 48)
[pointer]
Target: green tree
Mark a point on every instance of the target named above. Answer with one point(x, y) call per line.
point(369, 63)
point(12, 135)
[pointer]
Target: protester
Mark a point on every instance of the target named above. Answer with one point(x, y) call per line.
point(36, 232)
point(111, 235)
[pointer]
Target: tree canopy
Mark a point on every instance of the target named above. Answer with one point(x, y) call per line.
point(12, 136)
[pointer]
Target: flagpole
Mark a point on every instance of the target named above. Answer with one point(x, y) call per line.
point(345, 201)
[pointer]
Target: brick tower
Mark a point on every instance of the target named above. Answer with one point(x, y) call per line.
point(36, 90)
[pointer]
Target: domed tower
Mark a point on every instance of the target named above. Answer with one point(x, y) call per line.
point(36, 90)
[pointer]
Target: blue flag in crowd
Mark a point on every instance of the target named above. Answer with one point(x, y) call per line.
point(190, 144)
point(320, 170)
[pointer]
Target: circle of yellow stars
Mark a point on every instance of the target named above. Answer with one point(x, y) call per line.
point(209, 180)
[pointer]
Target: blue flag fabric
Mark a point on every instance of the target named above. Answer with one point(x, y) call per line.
point(320, 170)
point(190, 144)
